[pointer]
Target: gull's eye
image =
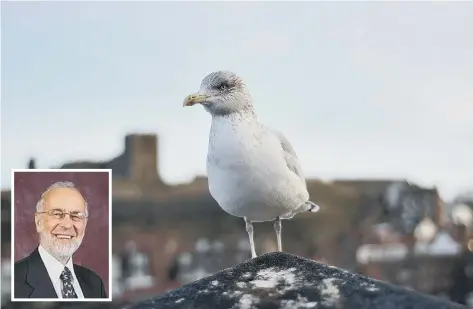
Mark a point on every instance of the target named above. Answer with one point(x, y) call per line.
point(222, 86)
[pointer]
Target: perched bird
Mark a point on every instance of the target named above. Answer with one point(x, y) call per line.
point(253, 171)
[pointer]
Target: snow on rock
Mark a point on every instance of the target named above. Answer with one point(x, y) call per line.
point(285, 281)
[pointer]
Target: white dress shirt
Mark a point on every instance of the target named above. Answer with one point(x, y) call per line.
point(55, 268)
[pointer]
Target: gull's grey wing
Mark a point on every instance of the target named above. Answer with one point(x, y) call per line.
point(290, 155)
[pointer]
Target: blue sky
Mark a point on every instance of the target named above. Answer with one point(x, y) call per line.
point(378, 90)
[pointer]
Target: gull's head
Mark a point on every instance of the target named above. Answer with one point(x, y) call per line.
point(221, 93)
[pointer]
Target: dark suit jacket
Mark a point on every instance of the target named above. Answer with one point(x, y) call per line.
point(32, 279)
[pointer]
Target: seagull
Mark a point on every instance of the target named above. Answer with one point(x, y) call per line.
point(253, 171)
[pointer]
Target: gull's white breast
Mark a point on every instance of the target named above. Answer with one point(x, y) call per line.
point(247, 171)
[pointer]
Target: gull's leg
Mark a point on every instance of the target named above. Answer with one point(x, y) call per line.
point(277, 228)
point(249, 230)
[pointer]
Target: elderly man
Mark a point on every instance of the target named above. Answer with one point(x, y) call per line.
point(48, 272)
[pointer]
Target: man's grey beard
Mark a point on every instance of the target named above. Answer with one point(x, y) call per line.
point(62, 252)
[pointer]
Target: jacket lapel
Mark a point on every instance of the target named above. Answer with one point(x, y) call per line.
point(38, 278)
point(84, 283)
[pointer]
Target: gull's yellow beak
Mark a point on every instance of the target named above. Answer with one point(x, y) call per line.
point(194, 99)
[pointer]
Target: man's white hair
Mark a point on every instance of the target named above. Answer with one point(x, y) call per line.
point(58, 184)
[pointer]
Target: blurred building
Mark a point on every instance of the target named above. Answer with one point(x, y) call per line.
point(165, 236)
point(416, 243)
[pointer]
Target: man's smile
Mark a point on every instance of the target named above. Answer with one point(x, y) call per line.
point(63, 236)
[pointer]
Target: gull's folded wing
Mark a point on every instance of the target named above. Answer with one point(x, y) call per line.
point(290, 155)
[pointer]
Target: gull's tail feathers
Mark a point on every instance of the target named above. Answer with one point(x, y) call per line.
point(307, 206)
point(312, 207)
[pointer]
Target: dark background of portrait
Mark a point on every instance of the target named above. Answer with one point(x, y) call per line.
point(94, 186)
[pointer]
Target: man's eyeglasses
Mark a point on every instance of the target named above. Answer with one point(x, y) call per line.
point(60, 215)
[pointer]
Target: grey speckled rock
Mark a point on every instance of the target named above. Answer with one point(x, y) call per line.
point(284, 281)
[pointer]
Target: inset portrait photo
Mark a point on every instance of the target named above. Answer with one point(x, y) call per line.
point(61, 235)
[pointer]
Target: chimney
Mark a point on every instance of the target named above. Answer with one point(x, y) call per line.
point(439, 209)
point(32, 164)
point(142, 153)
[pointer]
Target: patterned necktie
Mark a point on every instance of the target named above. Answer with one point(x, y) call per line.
point(67, 288)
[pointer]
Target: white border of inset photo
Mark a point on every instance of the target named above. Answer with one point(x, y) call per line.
point(110, 289)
